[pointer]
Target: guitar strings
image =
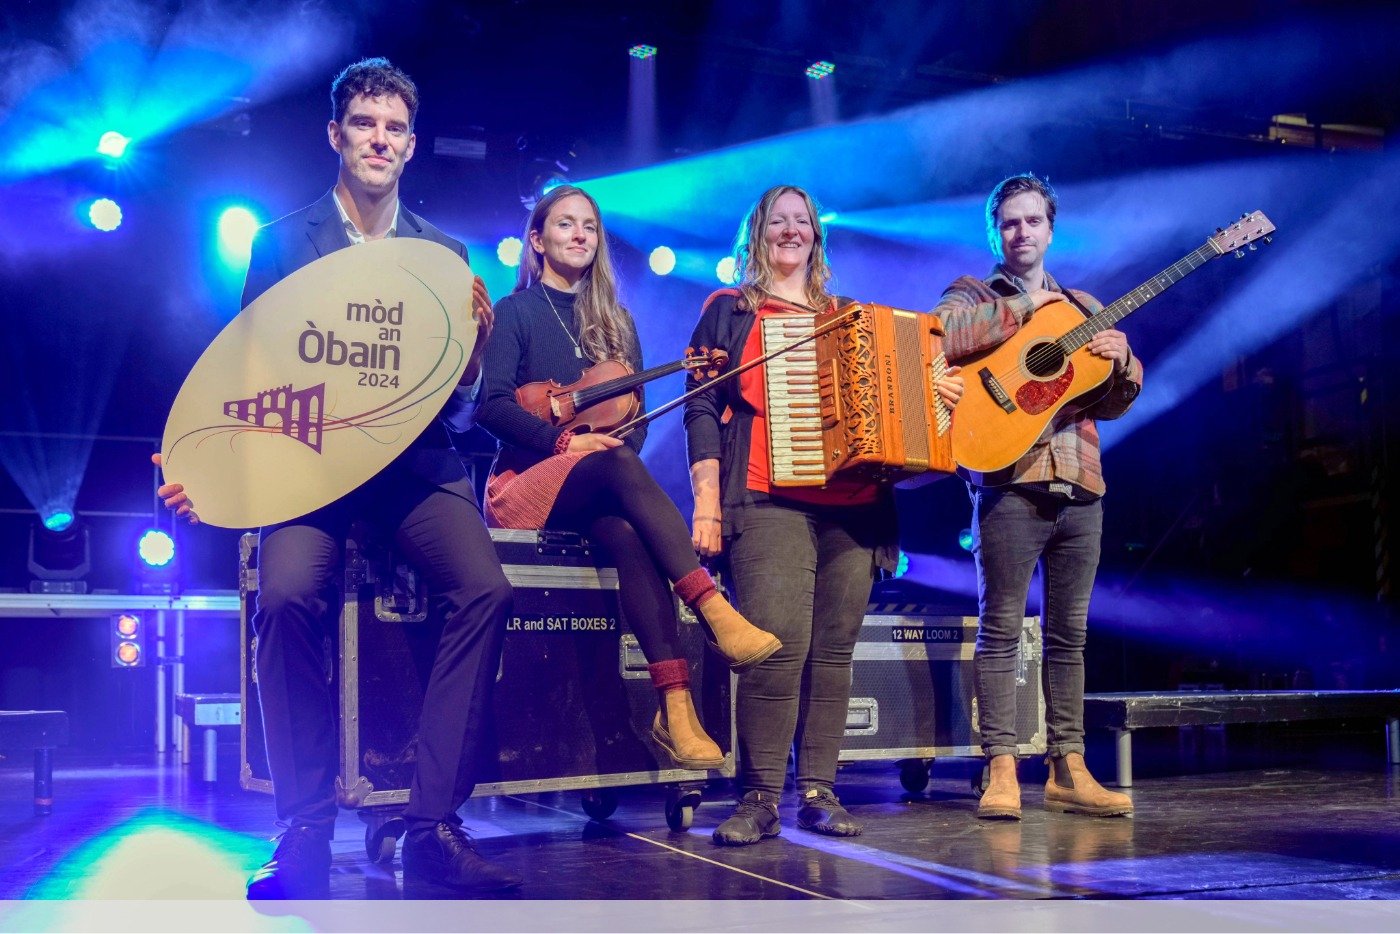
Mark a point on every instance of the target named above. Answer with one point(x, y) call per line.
point(1048, 353)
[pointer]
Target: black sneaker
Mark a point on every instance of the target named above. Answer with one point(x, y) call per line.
point(300, 867)
point(755, 818)
point(822, 812)
point(446, 856)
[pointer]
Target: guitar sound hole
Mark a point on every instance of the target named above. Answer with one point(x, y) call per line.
point(1044, 360)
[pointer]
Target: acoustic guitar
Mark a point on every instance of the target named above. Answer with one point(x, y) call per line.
point(1016, 390)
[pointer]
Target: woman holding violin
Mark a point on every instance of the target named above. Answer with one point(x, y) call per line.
point(802, 559)
point(552, 472)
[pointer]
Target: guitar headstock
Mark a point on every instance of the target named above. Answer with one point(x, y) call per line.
point(1242, 233)
point(710, 362)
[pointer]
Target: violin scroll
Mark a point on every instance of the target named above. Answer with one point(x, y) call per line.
point(707, 362)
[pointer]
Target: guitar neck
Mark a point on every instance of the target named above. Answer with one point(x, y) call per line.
point(1138, 297)
point(592, 395)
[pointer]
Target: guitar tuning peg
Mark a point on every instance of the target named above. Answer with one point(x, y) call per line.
point(1239, 254)
point(1244, 217)
point(1268, 239)
point(1220, 230)
point(1253, 247)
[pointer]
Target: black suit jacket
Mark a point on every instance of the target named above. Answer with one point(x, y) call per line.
point(291, 242)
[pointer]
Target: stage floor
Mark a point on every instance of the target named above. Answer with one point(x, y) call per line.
point(141, 828)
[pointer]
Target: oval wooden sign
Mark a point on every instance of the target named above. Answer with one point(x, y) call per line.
point(316, 386)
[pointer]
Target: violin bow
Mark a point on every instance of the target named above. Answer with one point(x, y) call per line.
point(622, 430)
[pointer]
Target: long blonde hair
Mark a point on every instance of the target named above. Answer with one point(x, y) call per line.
point(603, 333)
point(751, 252)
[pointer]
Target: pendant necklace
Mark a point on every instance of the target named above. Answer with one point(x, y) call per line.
point(578, 351)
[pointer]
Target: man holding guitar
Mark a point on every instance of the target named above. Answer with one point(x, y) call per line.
point(1043, 507)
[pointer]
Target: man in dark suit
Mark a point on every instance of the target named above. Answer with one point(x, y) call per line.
point(424, 499)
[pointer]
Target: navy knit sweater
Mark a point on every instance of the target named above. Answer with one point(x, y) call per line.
point(530, 344)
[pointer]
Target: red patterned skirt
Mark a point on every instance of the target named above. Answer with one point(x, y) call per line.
point(524, 500)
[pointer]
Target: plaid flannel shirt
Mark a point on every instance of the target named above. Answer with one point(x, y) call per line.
point(977, 318)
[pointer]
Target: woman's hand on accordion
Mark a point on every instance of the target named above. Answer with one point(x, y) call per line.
point(951, 386)
point(705, 523)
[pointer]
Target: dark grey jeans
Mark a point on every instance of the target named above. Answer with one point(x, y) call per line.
point(805, 576)
point(1013, 530)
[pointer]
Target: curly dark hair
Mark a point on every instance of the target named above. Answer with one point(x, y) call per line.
point(372, 77)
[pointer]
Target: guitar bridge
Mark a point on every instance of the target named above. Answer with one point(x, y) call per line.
point(989, 382)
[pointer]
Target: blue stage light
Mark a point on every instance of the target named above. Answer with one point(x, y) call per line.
point(902, 567)
point(508, 251)
point(551, 183)
point(113, 144)
point(237, 225)
point(58, 520)
point(724, 270)
point(965, 539)
point(642, 51)
point(156, 548)
point(819, 70)
point(662, 260)
point(105, 214)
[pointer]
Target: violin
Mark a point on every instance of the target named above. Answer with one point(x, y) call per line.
point(605, 396)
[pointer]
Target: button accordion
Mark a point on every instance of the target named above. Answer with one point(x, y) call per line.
point(858, 401)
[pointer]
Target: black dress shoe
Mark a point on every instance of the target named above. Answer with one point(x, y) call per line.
point(300, 867)
point(445, 856)
point(822, 812)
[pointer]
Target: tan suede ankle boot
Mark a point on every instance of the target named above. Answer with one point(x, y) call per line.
point(677, 730)
point(1002, 799)
point(737, 639)
point(1072, 790)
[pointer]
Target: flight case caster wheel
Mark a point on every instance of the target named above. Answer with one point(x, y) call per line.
point(680, 807)
point(600, 803)
point(913, 774)
point(382, 834)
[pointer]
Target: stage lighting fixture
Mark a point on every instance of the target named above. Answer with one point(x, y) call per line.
point(508, 251)
point(113, 144)
point(819, 70)
point(58, 520)
point(724, 270)
point(237, 225)
point(642, 51)
point(59, 558)
point(156, 572)
point(902, 567)
point(539, 177)
point(828, 217)
point(105, 214)
point(662, 260)
point(156, 548)
point(128, 638)
point(965, 539)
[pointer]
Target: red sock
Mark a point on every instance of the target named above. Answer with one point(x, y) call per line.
point(695, 587)
point(670, 675)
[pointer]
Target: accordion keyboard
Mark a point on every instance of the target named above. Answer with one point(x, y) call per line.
point(794, 404)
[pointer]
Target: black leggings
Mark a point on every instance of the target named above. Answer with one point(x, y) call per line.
point(612, 498)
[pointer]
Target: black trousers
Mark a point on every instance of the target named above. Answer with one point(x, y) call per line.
point(443, 536)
